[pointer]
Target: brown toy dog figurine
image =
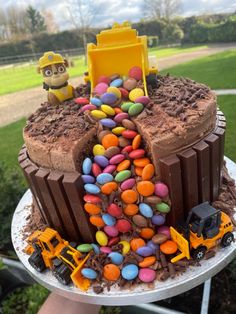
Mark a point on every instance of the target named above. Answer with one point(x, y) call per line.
point(55, 77)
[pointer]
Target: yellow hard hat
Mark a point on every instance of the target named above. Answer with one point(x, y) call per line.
point(49, 58)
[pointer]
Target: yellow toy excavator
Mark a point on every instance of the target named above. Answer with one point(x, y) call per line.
point(117, 50)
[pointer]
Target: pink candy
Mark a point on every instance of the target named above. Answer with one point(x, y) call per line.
point(88, 107)
point(116, 159)
point(137, 153)
point(143, 100)
point(111, 231)
point(161, 190)
point(147, 274)
point(127, 184)
point(109, 169)
point(105, 249)
point(121, 116)
point(100, 88)
point(165, 230)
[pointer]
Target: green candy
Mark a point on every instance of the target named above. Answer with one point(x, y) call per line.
point(126, 105)
point(84, 248)
point(123, 175)
point(135, 109)
point(163, 207)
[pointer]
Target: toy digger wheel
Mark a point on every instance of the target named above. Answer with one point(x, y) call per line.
point(227, 239)
point(151, 79)
point(199, 253)
point(36, 261)
point(62, 273)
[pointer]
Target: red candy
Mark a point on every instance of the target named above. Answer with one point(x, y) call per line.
point(89, 198)
point(81, 101)
point(137, 153)
point(96, 170)
point(124, 92)
point(113, 241)
point(129, 133)
point(104, 79)
point(127, 149)
point(123, 225)
point(136, 73)
point(114, 210)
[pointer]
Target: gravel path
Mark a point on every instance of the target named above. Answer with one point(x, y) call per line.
point(21, 104)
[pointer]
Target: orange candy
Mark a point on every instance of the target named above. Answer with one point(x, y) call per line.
point(168, 247)
point(117, 110)
point(111, 272)
point(129, 196)
point(141, 162)
point(138, 171)
point(97, 221)
point(131, 209)
point(147, 261)
point(146, 233)
point(145, 188)
point(137, 243)
point(123, 165)
point(110, 140)
point(148, 172)
point(92, 209)
point(109, 187)
point(136, 141)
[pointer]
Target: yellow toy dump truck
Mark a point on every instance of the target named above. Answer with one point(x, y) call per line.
point(48, 250)
point(118, 49)
point(205, 228)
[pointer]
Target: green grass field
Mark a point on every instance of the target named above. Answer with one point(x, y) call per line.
point(218, 71)
point(167, 52)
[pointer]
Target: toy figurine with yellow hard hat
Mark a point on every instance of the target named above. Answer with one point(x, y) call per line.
point(55, 77)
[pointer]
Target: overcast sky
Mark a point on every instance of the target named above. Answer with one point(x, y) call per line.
point(119, 10)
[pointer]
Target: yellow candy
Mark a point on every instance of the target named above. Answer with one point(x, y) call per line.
point(135, 93)
point(114, 90)
point(126, 247)
point(108, 110)
point(98, 150)
point(118, 130)
point(101, 238)
point(98, 114)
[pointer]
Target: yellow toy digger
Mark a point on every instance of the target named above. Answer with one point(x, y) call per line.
point(119, 49)
point(48, 250)
point(205, 228)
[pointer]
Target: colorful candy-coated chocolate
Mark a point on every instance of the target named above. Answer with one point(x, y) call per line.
point(147, 233)
point(153, 246)
point(145, 100)
point(100, 88)
point(123, 225)
point(116, 258)
point(89, 273)
point(109, 169)
point(147, 275)
point(124, 93)
point(124, 165)
point(108, 123)
point(114, 210)
point(159, 238)
point(129, 272)
point(98, 150)
point(136, 243)
point(168, 247)
point(111, 231)
point(135, 93)
point(81, 101)
point(111, 151)
point(110, 140)
point(124, 142)
point(105, 249)
point(108, 98)
point(97, 221)
point(96, 170)
point(98, 114)
point(84, 248)
point(127, 184)
point(136, 141)
point(141, 162)
point(126, 105)
point(87, 166)
point(92, 188)
point(158, 220)
point(131, 209)
point(127, 149)
point(121, 116)
point(136, 73)
point(111, 272)
point(114, 90)
point(145, 188)
point(102, 134)
point(138, 171)
point(101, 161)
point(104, 79)
point(108, 110)
point(87, 178)
point(118, 130)
point(96, 101)
point(129, 134)
point(95, 248)
point(163, 207)
point(108, 220)
point(144, 251)
point(128, 124)
point(145, 210)
point(109, 187)
point(101, 238)
point(103, 178)
point(140, 221)
point(129, 196)
point(88, 107)
point(123, 175)
point(89, 198)
point(125, 247)
point(92, 209)
point(130, 84)
point(165, 230)
point(161, 190)
point(147, 261)
point(116, 159)
point(113, 241)
point(148, 172)
point(117, 82)
point(137, 153)
point(135, 109)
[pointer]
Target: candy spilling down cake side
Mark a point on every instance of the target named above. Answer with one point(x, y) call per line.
point(128, 167)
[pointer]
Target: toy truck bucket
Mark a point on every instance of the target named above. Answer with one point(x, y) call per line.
point(182, 243)
point(118, 49)
point(78, 279)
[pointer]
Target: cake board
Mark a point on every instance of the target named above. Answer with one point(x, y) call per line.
point(142, 293)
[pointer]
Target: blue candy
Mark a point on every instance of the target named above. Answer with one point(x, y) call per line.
point(109, 123)
point(87, 178)
point(89, 273)
point(108, 220)
point(96, 101)
point(87, 166)
point(116, 258)
point(95, 248)
point(152, 246)
point(144, 251)
point(103, 178)
point(108, 98)
point(92, 188)
point(101, 161)
point(145, 210)
point(129, 272)
point(117, 82)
